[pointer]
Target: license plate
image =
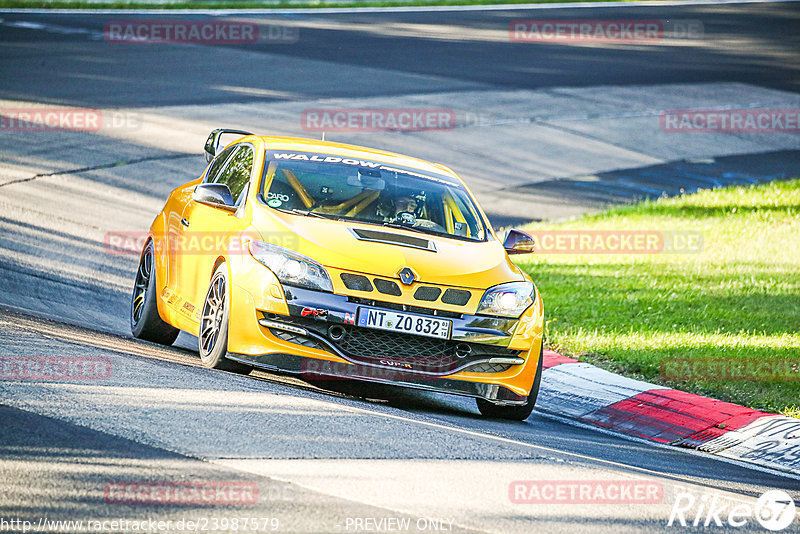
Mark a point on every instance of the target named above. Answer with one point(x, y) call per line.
point(408, 323)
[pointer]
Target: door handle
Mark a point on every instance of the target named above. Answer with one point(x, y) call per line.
point(185, 222)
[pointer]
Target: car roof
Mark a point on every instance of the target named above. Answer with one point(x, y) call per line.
point(354, 151)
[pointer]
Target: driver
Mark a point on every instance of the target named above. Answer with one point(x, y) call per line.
point(405, 209)
point(391, 207)
point(405, 203)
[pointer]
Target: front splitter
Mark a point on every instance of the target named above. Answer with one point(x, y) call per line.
point(299, 365)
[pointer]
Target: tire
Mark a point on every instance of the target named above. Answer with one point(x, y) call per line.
point(213, 335)
point(516, 412)
point(146, 323)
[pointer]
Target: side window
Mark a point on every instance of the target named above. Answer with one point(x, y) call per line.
point(216, 165)
point(236, 174)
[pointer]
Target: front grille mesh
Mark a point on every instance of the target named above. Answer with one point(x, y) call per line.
point(406, 352)
point(356, 282)
point(488, 368)
point(297, 339)
point(456, 297)
point(387, 287)
point(427, 293)
point(417, 352)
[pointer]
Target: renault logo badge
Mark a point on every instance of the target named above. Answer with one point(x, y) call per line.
point(407, 276)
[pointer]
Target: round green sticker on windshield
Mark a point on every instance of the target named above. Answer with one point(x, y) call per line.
point(274, 203)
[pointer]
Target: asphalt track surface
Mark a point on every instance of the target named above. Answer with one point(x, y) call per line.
point(747, 43)
point(320, 458)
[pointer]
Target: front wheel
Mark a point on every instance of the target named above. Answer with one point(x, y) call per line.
point(518, 412)
point(213, 338)
point(146, 323)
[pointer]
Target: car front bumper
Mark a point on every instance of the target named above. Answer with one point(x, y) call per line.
point(293, 336)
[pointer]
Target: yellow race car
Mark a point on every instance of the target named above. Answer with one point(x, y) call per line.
point(330, 260)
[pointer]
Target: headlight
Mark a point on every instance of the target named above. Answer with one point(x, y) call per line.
point(291, 267)
point(508, 300)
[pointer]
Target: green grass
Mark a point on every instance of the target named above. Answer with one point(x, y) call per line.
point(252, 4)
point(737, 300)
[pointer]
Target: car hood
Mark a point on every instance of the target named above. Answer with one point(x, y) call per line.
point(334, 244)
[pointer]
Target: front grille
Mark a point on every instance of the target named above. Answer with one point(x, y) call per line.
point(387, 287)
point(456, 297)
point(296, 339)
point(402, 352)
point(414, 353)
point(404, 307)
point(356, 282)
point(359, 282)
point(488, 368)
point(427, 293)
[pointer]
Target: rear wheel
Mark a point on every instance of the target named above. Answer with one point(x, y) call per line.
point(518, 412)
point(146, 323)
point(213, 338)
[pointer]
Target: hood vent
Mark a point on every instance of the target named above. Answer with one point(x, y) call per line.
point(390, 238)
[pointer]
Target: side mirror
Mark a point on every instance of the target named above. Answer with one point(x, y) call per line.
point(211, 147)
point(215, 195)
point(517, 242)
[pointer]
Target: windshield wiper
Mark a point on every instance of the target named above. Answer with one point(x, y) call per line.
point(304, 213)
point(309, 213)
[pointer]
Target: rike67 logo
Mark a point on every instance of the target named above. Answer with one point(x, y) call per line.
point(775, 510)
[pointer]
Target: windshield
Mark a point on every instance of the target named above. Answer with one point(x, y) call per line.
point(367, 191)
